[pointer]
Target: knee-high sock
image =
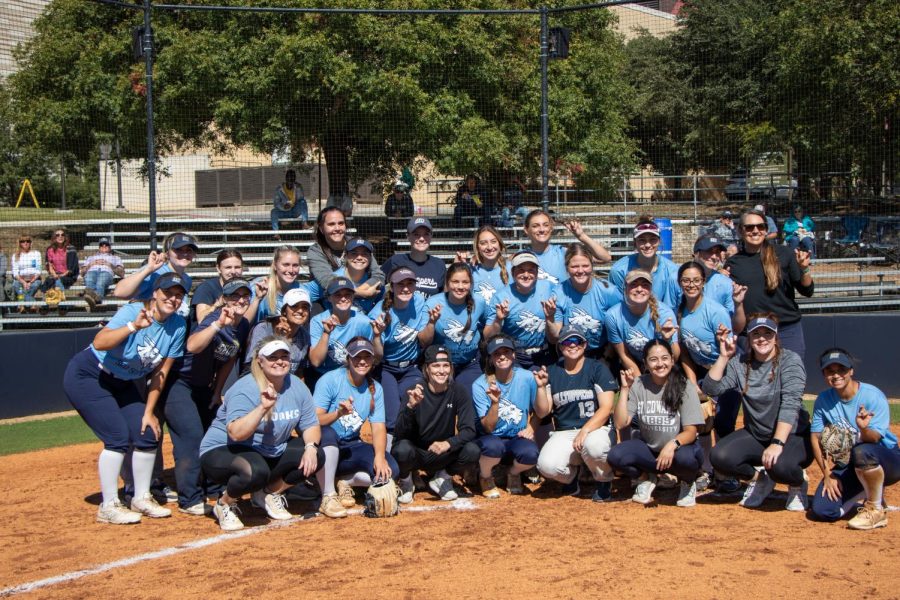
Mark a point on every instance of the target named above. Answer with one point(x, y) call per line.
point(487, 463)
point(359, 479)
point(872, 481)
point(108, 466)
point(142, 467)
point(325, 475)
point(705, 442)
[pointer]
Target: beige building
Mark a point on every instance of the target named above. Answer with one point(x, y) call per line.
point(15, 27)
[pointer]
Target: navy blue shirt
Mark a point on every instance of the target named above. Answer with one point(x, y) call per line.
point(199, 369)
point(575, 397)
point(429, 274)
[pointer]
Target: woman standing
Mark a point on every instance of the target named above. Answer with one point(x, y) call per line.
point(230, 266)
point(584, 300)
point(282, 278)
point(772, 274)
point(429, 270)
point(291, 325)
point(504, 399)
point(141, 340)
point(667, 412)
point(358, 269)
point(579, 393)
point(874, 460)
point(195, 390)
point(460, 323)
point(631, 324)
point(523, 311)
point(647, 258)
point(347, 398)
point(179, 251)
point(26, 272)
point(326, 255)
point(773, 447)
point(551, 257)
point(249, 447)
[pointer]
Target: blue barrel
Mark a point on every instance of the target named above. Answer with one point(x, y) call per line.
point(665, 237)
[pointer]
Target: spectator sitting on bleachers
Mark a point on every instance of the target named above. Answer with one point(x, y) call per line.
point(26, 272)
point(472, 201)
point(4, 267)
point(399, 203)
point(61, 259)
point(99, 271)
point(512, 200)
point(799, 231)
point(724, 230)
point(289, 203)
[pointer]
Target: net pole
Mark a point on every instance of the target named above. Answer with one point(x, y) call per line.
point(151, 148)
point(545, 118)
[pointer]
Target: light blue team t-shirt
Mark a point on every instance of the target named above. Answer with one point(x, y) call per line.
point(525, 322)
point(719, 288)
point(587, 310)
point(363, 304)
point(450, 329)
point(143, 351)
point(635, 331)
point(552, 265)
point(145, 289)
point(293, 411)
point(358, 324)
point(400, 338)
point(665, 278)
point(333, 388)
point(698, 331)
point(830, 409)
point(516, 402)
point(486, 282)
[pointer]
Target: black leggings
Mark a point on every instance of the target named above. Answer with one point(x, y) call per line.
point(242, 469)
point(738, 454)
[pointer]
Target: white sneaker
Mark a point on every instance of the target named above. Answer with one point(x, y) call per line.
point(116, 513)
point(407, 490)
point(489, 488)
point(227, 515)
point(274, 504)
point(442, 485)
point(687, 494)
point(147, 505)
point(643, 494)
point(757, 490)
point(200, 509)
point(797, 500)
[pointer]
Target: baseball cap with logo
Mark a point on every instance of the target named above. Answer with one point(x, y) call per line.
point(436, 353)
point(182, 239)
point(636, 274)
point(642, 228)
point(359, 243)
point(402, 273)
point(501, 341)
point(103, 242)
point(272, 347)
point(358, 346)
point(417, 222)
point(295, 296)
point(836, 357)
point(340, 283)
point(170, 280)
point(762, 322)
point(233, 286)
point(571, 331)
point(708, 242)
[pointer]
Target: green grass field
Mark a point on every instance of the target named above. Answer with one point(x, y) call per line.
point(37, 435)
point(52, 215)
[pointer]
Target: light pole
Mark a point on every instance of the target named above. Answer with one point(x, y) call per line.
point(105, 148)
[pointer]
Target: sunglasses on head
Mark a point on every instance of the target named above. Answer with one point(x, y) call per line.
point(756, 227)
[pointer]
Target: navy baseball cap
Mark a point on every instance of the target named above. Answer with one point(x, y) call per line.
point(417, 222)
point(233, 286)
point(762, 322)
point(359, 243)
point(170, 280)
point(182, 239)
point(708, 242)
point(103, 242)
point(501, 341)
point(572, 331)
point(340, 283)
point(727, 214)
point(402, 273)
point(358, 346)
point(433, 354)
point(836, 357)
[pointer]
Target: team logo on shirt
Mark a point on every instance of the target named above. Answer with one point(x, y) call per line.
point(542, 274)
point(696, 345)
point(456, 332)
point(486, 291)
point(530, 322)
point(338, 352)
point(636, 340)
point(582, 319)
point(224, 350)
point(404, 334)
point(351, 422)
point(509, 412)
point(149, 354)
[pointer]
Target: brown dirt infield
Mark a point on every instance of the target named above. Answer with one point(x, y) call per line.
point(538, 544)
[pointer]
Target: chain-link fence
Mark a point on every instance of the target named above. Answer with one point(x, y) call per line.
point(127, 121)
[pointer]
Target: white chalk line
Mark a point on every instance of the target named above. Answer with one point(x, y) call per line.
point(460, 504)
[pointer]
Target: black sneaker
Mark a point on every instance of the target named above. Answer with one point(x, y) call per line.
point(573, 488)
point(603, 492)
point(729, 485)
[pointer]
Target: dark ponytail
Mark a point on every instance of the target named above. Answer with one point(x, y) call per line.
point(676, 382)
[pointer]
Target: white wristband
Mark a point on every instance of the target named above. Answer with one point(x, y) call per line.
point(131, 327)
point(215, 325)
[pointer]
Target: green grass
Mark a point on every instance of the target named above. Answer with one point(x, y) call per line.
point(51, 215)
point(37, 435)
point(895, 410)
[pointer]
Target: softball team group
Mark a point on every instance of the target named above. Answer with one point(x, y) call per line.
point(414, 369)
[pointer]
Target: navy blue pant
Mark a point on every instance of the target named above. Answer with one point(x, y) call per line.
point(111, 407)
point(535, 360)
point(465, 374)
point(242, 469)
point(188, 417)
point(410, 456)
point(634, 458)
point(862, 456)
point(395, 382)
point(356, 456)
point(520, 450)
point(740, 453)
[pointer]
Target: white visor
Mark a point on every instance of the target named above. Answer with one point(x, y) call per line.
point(273, 347)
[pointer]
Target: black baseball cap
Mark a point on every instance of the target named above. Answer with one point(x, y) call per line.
point(572, 331)
point(433, 353)
point(417, 222)
point(170, 280)
point(103, 242)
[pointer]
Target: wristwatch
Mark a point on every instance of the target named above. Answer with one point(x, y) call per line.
point(777, 442)
point(677, 443)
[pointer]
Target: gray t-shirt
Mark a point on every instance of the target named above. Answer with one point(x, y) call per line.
point(657, 425)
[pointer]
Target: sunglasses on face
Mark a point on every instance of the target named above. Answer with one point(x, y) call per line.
point(755, 227)
point(24, 241)
point(571, 342)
